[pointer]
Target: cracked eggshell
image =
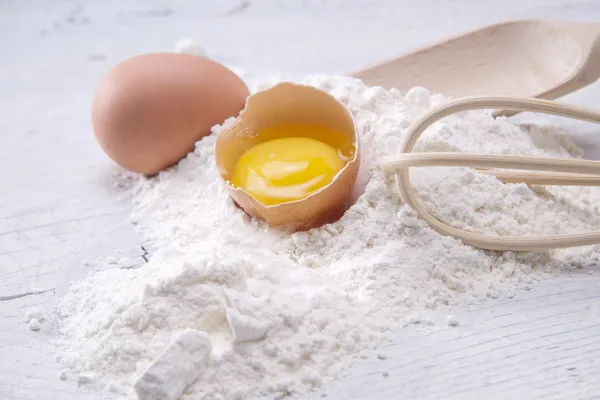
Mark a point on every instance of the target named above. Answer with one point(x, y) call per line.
point(286, 104)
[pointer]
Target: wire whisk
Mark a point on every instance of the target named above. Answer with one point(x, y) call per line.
point(507, 168)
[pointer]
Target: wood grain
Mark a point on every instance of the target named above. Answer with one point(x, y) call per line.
point(503, 348)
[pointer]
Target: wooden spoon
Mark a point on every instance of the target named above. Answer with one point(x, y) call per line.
point(529, 58)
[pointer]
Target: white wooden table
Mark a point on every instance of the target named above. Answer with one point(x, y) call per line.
point(59, 206)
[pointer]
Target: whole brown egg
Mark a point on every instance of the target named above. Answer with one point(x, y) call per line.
point(150, 110)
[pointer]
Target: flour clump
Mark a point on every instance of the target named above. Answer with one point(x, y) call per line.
point(285, 313)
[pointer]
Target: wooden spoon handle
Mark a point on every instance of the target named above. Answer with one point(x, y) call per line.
point(399, 167)
point(587, 70)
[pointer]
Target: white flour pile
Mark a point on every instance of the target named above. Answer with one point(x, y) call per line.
point(285, 314)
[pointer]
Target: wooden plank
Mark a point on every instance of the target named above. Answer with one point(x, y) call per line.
point(543, 344)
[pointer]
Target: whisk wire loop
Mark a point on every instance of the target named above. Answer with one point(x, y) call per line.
point(547, 171)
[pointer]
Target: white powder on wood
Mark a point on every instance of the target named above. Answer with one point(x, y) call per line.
point(286, 313)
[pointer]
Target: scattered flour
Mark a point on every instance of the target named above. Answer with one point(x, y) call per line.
point(452, 321)
point(190, 46)
point(34, 325)
point(175, 368)
point(34, 318)
point(35, 313)
point(285, 314)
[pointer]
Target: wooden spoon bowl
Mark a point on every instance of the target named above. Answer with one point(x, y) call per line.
point(529, 58)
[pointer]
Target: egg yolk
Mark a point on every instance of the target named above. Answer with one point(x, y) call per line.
point(287, 169)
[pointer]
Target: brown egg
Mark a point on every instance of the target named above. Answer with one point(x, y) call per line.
point(150, 110)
